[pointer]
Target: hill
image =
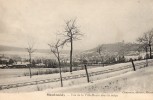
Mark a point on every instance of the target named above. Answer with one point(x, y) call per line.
point(18, 51)
point(115, 48)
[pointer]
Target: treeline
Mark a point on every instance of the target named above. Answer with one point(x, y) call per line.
point(5, 62)
point(36, 63)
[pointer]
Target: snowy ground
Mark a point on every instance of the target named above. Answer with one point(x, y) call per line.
point(131, 82)
point(96, 86)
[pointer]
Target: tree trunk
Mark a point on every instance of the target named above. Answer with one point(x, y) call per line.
point(102, 61)
point(150, 52)
point(133, 65)
point(30, 72)
point(59, 64)
point(87, 73)
point(71, 51)
point(146, 57)
point(60, 72)
point(30, 65)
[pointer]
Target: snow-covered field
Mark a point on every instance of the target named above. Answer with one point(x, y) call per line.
point(9, 73)
point(21, 72)
point(140, 81)
point(99, 83)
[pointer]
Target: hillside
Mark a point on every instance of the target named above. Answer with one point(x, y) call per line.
point(113, 48)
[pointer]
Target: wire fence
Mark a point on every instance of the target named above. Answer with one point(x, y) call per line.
point(129, 66)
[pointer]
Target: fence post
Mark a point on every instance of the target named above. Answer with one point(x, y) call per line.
point(146, 62)
point(86, 73)
point(133, 65)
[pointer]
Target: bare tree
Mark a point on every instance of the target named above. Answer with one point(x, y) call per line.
point(30, 49)
point(147, 40)
point(55, 50)
point(71, 34)
point(100, 51)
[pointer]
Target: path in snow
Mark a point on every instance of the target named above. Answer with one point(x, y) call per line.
point(66, 83)
point(131, 82)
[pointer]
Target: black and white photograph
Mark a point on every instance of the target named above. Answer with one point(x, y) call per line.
point(76, 47)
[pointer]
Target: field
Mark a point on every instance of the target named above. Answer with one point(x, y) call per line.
point(70, 79)
point(131, 82)
point(9, 73)
point(20, 72)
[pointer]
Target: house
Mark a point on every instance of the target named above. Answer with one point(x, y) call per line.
point(20, 64)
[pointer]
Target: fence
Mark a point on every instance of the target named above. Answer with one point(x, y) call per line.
point(137, 66)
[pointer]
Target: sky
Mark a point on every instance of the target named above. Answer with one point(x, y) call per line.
point(101, 21)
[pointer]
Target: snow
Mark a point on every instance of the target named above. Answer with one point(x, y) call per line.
point(139, 81)
point(68, 83)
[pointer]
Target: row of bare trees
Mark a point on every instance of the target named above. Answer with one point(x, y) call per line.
point(71, 33)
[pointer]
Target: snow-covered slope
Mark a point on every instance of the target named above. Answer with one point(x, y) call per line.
point(139, 81)
point(67, 83)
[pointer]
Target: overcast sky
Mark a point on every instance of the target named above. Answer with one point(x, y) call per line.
point(102, 21)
